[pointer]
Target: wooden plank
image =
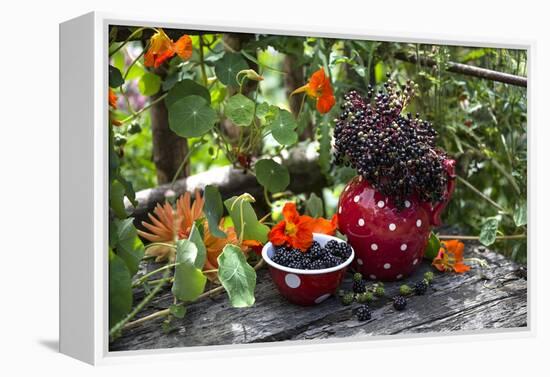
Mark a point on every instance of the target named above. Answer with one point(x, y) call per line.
point(494, 297)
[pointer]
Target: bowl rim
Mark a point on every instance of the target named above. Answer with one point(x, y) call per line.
point(308, 272)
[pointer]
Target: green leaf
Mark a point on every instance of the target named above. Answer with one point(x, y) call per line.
point(314, 206)
point(116, 199)
point(191, 117)
point(129, 247)
point(178, 310)
point(149, 84)
point(189, 281)
point(520, 214)
point(262, 109)
point(213, 210)
point(196, 237)
point(186, 88)
point(283, 126)
point(115, 77)
point(228, 66)
point(237, 276)
point(120, 289)
point(488, 233)
point(271, 175)
point(245, 220)
point(240, 109)
point(432, 248)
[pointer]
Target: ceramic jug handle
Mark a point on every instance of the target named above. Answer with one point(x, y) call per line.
point(449, 166)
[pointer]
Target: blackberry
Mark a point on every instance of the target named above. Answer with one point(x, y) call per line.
point(339, 249)
point(363, 313)
point(348, 298)
point(359, 286)
point(399, 303)
point(420, 287)
point(396, 154)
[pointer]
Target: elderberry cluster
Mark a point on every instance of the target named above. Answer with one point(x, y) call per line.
point(315, 258)
point(396, 154)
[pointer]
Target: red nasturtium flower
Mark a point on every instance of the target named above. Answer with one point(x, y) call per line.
point(319, 87)
point(451, 257)
point(297, 231)
point(163, 48)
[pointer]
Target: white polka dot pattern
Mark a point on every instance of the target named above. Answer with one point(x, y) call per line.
point(418, 223)
point(380, 204)
point(415, 261)
point(356, 199)
point(399, 276)
point(361, 222)
point(392, 227)
point(373, 277)
point(292, 280)
point(322, 298)
point(360, 261)
point(374, 247)
point(407, 203)
point(387, 266)
point(403, 247)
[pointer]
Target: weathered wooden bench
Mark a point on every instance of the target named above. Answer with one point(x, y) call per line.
point(483, 298)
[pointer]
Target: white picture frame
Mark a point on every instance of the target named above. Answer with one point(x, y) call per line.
point(84, 187)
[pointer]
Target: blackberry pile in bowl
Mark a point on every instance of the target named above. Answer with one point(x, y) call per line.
point(317, 257)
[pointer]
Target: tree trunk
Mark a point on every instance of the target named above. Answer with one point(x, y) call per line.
point(169, 149)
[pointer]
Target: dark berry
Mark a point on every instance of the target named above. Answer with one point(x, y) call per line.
point(420, 287)
point(359, 286)
point(399, 303)
point(363, 313)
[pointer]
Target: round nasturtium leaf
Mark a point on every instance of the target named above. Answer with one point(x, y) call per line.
point(273, 176)
point(149, 84)
point(228, 66)
point(282, 128)
point(186, 88)
point(240, 109)
point(115, 77)
point(191, 116)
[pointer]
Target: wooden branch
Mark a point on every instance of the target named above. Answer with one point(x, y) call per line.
point(466, 69)
point(305, 176)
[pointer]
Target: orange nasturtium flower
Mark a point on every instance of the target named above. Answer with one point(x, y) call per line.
point(112, 99)
point(168, 225)
point(297, 231)
point(319, 87)
point(163, 48)
point(451, 257)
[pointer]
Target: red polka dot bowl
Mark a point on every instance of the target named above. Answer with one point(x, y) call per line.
point(306, 287)
point(389, 243)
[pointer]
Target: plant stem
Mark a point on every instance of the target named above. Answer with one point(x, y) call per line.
point(475, 238)
point(187, 156)
point(489, 200)
point(136, 32)
point(201, 59)
point(151, 104)
point(165, 312)
point(142, 279)
point(115, 330)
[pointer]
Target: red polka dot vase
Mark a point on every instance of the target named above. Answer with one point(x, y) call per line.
point(389, 243)
point(306, 287)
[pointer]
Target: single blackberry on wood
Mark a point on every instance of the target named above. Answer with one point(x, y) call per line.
point(363, 313)
point(359, 286)
point(399, 303)
point(420, 287)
